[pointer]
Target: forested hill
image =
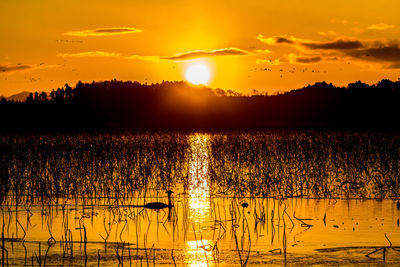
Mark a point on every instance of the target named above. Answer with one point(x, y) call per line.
point(178, 105)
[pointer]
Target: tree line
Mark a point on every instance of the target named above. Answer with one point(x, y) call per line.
point(179, 105)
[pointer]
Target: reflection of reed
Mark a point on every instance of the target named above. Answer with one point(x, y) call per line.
point(236, 230)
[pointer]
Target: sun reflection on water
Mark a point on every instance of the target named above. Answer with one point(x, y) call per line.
point(198, 251)
point(199, 194)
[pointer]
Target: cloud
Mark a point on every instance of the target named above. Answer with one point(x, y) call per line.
point(177, 57)
point(212, 53)
point(145, 58)
point(335, 45)
point(102, 54)
point(9, 68)
point(104, 32)
point(261, 51)
point(275, 39)
point(380, 26)
point(290, 40)
point(273, 62)
point(90, 54)
point(304, 59)
point(328, 33)
point(387, 54)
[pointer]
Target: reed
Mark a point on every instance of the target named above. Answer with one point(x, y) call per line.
point(96, 181)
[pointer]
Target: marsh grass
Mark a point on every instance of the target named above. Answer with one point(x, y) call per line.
point(93, 182)
point(266, 164)
point(306, 164)
point(48, 167)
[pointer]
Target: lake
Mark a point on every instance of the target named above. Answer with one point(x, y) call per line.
point(239, 198)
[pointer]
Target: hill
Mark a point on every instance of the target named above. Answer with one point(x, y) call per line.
point(21, 97)
point(179, 105)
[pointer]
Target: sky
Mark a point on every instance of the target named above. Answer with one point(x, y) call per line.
point(248, 46)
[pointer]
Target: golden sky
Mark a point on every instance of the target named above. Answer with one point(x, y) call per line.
point(264, 45)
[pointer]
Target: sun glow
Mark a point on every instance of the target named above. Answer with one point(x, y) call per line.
point(197, 74)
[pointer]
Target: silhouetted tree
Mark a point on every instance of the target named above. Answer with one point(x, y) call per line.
point(178, 105)
point(43, 97)
point(60, 95)
point(29, 99)
point(53, 96)
point(68, 92)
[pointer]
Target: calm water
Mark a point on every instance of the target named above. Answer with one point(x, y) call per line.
point(219, 216)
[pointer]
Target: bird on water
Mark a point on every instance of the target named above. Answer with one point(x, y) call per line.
point(158, 205)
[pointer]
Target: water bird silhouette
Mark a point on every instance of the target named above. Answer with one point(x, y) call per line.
point(157, 205)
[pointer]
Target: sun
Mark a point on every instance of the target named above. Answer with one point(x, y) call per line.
point(197, 74)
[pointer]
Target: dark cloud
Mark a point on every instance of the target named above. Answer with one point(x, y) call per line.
point(276, 39)
point(8, 68)
point(212, 53)
point(115, 30)
point(385, 53)
point(335, 45)
point(280, 40)
point(309, 44)
point(382, 53)
point(5, 67)
point(312, 59)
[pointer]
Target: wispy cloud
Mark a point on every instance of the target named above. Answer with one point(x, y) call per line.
point(104, 32)
point(90, 54)
point(304, 59)
point(177, 57)
point(273, 62)
point(7, 68)
point(337, 44)
point(260, 51)
point(202, 53)
point(328, 33)
point(145, 58)
point(380, 26)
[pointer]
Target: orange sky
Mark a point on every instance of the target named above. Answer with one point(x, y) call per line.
point(264, 45)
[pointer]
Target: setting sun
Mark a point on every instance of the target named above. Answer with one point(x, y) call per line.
point(200, 133)
point(197, 74)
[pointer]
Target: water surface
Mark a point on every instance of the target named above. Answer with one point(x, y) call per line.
point(237, 200)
